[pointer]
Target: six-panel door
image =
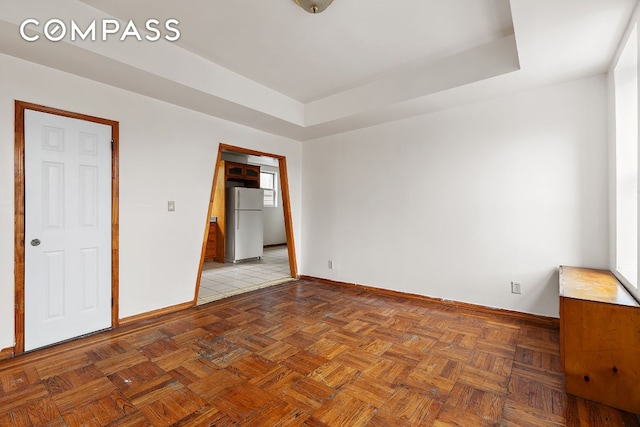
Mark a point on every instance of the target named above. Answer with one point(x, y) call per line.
point(67, 228)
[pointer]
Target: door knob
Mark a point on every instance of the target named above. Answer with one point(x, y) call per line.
point(35, 242)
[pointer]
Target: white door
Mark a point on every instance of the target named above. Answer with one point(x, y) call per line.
point(67, 228)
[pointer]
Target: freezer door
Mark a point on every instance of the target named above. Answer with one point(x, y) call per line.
point(248, 235)
point(248, 198)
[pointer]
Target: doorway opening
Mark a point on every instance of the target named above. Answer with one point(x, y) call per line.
point(219, 274)
point(86, 187)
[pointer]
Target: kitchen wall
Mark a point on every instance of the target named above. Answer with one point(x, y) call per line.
point(166, 153)
point(457, 204)
point(274, 231)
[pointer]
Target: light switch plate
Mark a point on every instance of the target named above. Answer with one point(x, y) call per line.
point(516, 287)
point(171, 206)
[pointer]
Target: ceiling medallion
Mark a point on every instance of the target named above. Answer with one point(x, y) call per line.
point(314, 6)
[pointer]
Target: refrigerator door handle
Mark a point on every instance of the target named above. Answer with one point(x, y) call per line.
point(237, 220)
point(239, 193)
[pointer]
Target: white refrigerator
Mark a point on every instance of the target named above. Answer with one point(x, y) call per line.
point(244, 227)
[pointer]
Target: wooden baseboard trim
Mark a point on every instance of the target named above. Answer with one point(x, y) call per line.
point(6, 353)
point(275, 245)
point(533, 319)
point(155, 313)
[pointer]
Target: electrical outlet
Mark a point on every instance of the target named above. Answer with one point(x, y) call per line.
point(516, 287)
point(330, 264)
point(171, 206)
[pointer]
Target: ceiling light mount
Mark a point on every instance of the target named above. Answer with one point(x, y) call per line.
point(314, 6)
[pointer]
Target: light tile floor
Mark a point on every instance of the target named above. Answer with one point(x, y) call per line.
point(224, 280)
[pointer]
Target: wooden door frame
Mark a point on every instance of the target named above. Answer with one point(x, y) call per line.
point(286, 208)
point(19, 172)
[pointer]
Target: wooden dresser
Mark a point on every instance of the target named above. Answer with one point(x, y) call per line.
point(599, 338)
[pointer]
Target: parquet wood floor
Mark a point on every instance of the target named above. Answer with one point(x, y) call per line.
point(303, 354)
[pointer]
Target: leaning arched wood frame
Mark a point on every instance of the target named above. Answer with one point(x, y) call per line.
point(19, 271)
point(286, 205)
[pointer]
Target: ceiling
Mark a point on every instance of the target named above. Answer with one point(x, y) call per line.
point(308, 57)
point(272, 66)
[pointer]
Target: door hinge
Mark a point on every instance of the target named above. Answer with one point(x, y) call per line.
point(112, 145)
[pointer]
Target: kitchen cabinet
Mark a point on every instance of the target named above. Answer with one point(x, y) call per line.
point(249, 175)
point(599, 338)
point(218, 210)
point(212, 242)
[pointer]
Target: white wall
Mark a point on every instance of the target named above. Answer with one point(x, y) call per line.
point(166, 153)
point(458, 203)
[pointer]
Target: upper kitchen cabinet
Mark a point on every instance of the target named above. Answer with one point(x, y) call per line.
point(249, 175)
